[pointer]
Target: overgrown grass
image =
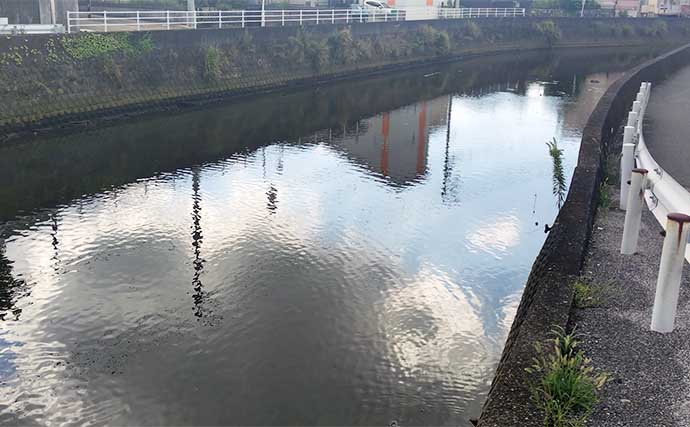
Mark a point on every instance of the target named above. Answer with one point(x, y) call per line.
point(212, 63)
point(586, 294)
point(549, 30)
point(566, 391)
point(604, 195)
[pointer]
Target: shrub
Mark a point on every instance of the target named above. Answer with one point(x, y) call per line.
point(429, 39)
point(549, 30)
point(472, 30)
point(212, 63)
point(342, 48)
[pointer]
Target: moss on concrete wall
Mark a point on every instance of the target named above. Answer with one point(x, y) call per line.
point(47, 80)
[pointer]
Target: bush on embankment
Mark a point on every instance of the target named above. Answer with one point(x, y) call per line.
point(45, 80)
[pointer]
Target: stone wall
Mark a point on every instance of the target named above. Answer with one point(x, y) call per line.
point(47, 81)
point(548, 296)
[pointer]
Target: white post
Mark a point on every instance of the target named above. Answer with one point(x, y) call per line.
point(167, 19)
point(69, 22)
point(332, 16)
point(360, 16)
point(317, 16)
point(347, 16)
point(263, 13)
point(633, 211)
point(138, 22)
point(632, 119)
point(300, 16)
point(670, 272)
point(220, 19)
point(105, 21)
point(627, 165)
point(636, 107)
point(282, 18)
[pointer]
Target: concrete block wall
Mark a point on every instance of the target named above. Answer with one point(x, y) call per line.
point(46, 81)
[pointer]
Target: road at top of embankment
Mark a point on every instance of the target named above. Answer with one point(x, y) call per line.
point(667, 125)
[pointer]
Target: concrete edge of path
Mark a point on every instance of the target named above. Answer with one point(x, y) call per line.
point(547, 298)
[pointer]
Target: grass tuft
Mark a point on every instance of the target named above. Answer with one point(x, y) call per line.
point(566, 391)
point(604, 195)
point(586, 295)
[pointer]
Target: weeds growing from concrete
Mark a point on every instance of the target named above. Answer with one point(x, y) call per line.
point(558, 175)
point(586, 294)
point(566, 390)
point(604, 195)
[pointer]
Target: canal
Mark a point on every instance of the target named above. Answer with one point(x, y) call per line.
point(351, 254)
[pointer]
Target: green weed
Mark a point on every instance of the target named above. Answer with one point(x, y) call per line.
point(566, 391)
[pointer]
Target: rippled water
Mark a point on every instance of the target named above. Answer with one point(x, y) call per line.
point(352, 254)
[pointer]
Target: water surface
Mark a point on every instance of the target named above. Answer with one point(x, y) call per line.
point(351, 254)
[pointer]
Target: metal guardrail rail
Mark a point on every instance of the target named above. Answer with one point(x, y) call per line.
point(145, 20)
point(667, 200)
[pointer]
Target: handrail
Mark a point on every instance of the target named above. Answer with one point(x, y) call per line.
point(670, 204)
point(147, 20)
point(663, 194)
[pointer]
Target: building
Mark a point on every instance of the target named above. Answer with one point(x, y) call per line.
point(37, 11)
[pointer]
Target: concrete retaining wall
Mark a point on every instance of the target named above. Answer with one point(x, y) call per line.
point(48, 81)
point(548, 296)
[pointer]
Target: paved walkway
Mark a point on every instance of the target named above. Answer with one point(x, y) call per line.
point(667, 125)
point(650, 383)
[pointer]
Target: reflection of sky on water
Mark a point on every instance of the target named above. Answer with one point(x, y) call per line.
point(396, 253)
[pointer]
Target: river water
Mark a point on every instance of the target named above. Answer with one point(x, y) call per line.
point(350, 254)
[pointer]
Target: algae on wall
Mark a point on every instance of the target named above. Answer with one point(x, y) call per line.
point(52, 78)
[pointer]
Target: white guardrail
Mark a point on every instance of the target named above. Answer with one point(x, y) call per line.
point(141, 20)
point(667, 200)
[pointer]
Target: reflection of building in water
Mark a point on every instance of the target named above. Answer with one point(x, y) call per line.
point(395, 143)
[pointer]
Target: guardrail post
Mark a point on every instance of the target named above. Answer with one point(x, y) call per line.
point(317, 16)
point(69, 22)
point(670, 272)
point(632, 119)
point(105, 21)
point(633, 211)
point(243, 17)
point(167, 19)
point(138, 22)
point(220, 19)
point(300, 17)
point(347, 16)
point(282, 18)
point(627, 165)
point(636, 107)
point(332, 16)
point(360, 16)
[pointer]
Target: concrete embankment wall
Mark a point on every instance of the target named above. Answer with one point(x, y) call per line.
point(548, 297)
point(48, 81)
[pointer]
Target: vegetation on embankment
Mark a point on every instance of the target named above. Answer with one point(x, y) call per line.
point(566, 384)
point(46, 80)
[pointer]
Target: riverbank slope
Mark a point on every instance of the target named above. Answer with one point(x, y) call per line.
point(48, 82)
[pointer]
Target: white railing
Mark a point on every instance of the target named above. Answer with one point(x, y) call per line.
point(105, 21)
point(464, 13)
point(15, 29)
point(667, 200)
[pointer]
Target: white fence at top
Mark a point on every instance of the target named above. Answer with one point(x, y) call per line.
point(105, 21)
